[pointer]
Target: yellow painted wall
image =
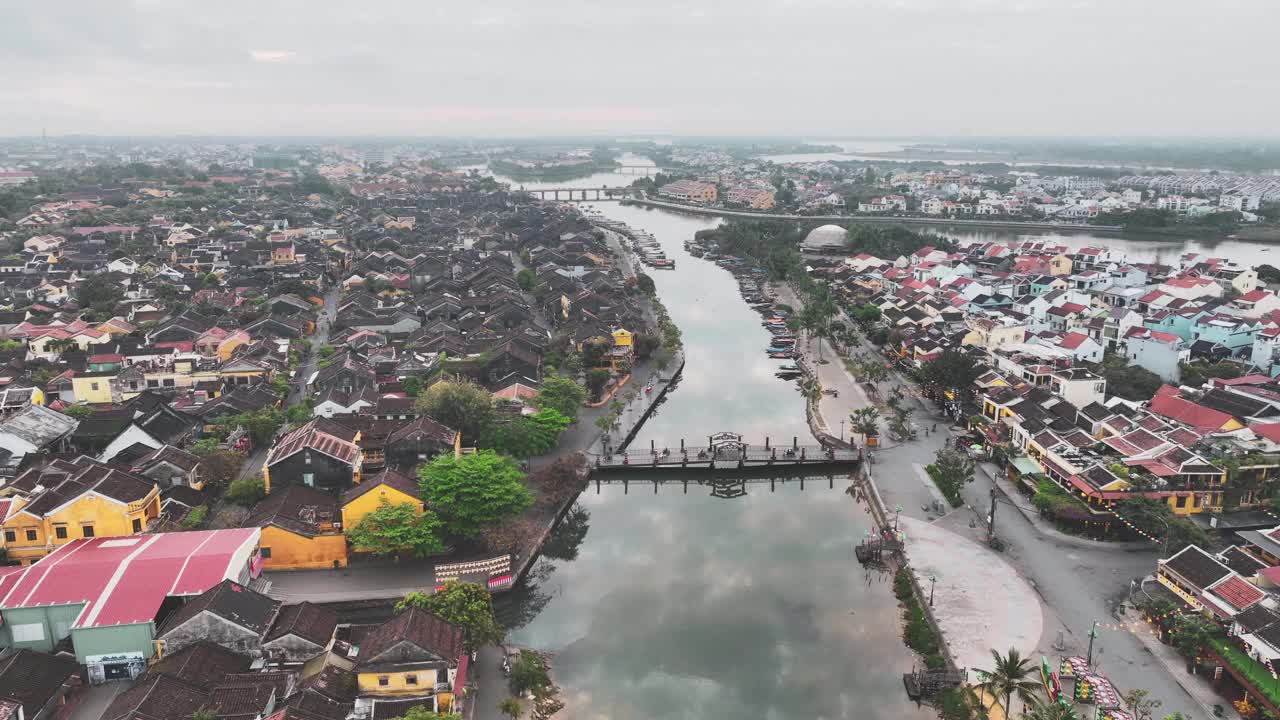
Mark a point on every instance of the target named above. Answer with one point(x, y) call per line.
point(622, 338)
point(290, 551)
point(85, 392)
point(228, 347)
point(396, 685)
point(370, 501)
point(107, 517)
point(1059, 265)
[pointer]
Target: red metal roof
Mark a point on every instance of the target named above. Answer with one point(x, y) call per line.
point(123, 580)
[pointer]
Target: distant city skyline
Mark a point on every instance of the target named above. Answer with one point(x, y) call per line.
point(820, 68)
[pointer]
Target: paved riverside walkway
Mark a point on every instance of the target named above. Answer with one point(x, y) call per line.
point(979, 600)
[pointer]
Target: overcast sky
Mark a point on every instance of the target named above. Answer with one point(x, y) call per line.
point(793, 67)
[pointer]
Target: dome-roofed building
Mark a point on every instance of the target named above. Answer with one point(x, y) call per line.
point(826, 237)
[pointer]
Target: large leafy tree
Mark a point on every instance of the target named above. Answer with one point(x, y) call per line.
point(1009, 675)
point(397, 529)
point(951, 470)
point(474, 491)
point(99, 293)
point(459, 404)
point(562, 395)
point(526, 436)
point(467, 605)
point(951, 370)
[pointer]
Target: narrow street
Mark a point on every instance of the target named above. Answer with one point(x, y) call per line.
point(1078, 580)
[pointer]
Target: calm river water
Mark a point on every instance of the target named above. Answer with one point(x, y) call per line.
point(688, 606)
point(669, 605)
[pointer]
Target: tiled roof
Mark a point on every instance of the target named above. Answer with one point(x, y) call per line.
point(1238, 593)
point(389, 478)
point(1197, 567)
point(230, 601)
point(430, 633)
point(305, 620)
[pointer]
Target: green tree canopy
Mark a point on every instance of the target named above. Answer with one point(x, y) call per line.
point(397, 529)
point(99, 292)
point(527, 435)
point(474, 491)
point(951, 370)
point(420, 712)
point(79, 412)
point(460, 404)
point(246, 491)
point(526, 279)
point(467, 605)
point(562, 395)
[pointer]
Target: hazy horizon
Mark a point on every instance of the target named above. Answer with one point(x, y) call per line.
point(818, 69)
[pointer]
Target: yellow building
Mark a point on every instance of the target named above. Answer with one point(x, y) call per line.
point(413, 655)
point(622, 338)
point(283, 255)
point(1059, 265)
point(97, 501)
point(386, 487)
point(93, 388)
point(300, 530)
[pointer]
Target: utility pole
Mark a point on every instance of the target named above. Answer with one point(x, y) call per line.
point(991, 519)
point(932, 579)
point(1093, 633)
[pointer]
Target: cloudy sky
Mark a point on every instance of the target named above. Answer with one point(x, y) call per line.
point(794, 67)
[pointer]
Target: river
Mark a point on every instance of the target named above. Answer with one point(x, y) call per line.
point(669, 605)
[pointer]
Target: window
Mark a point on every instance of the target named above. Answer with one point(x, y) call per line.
point(309, 479)
point(410, 679)
point(137, 525)
point(10, 536)
point(60, 532)
point(31, 536)
point(1182, 501)
point(93, 387)
point(383, 681)
point(266, 553)
point(307, 457)
point(87, 530)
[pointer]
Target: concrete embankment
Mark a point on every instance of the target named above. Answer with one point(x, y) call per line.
point(878, 219)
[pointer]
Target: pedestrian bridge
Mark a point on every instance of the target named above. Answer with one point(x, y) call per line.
point(725, 483)
point(724, 451)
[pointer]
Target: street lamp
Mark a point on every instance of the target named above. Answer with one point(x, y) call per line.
point(932, 579)
point(897, 510)
point(842, 431)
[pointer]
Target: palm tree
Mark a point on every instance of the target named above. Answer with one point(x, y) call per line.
point(1039, 709)
point(1008, 677)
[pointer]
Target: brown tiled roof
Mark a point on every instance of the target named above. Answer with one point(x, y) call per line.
point(321, 440)
point(203, 664)
point(157, 697)
point(1197, 567)
point(419, 627)
point(305, 620)
point(424, 428)
point(387, 477)
point(230, 601)
point(240, 700)
point(33, 678)
point(296, 508)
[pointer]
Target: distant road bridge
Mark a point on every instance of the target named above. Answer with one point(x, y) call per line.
point(601, 194)
point(639, 169)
